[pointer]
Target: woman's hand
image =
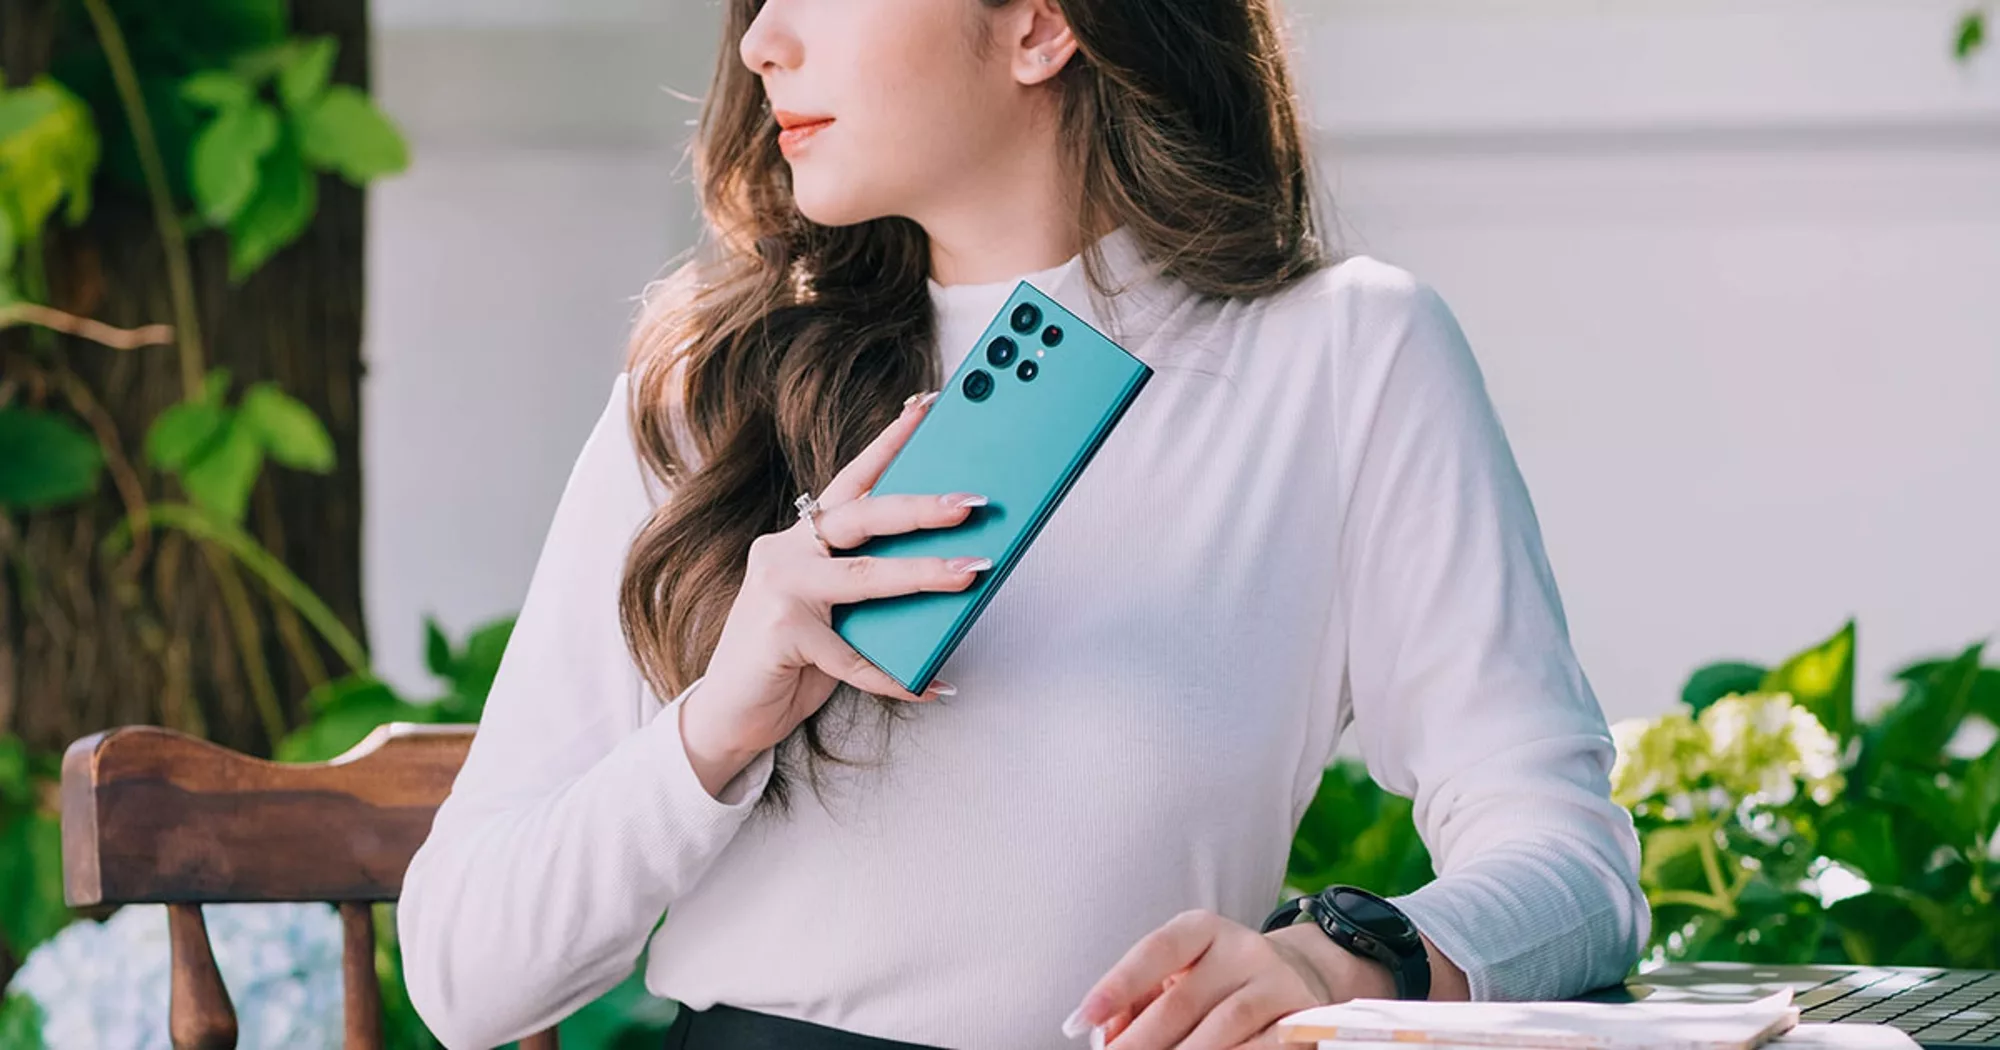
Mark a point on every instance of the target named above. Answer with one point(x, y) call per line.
point(1204, 982)
point(778, 658)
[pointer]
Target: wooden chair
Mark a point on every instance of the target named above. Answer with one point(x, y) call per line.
point(154, 816)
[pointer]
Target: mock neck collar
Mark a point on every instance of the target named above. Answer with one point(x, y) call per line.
point(1138, 289)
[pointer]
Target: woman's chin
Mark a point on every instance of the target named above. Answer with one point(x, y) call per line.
point(824, 208)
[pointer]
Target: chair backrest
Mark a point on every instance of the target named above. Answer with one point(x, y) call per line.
point(154, 816)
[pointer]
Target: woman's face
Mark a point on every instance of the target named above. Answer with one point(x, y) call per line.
point(917, 118)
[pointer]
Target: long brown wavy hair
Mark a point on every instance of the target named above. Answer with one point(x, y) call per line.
point(764, 367)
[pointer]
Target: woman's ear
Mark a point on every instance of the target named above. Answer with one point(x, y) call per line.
point(1044, 42)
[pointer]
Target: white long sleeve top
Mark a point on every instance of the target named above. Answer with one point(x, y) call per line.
point(1308, 524)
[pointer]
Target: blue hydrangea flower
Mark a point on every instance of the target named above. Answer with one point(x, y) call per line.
point(104, 986)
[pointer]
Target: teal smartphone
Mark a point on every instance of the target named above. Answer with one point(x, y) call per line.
point(1018, 422)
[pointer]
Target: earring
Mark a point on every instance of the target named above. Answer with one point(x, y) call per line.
point(1046, 59)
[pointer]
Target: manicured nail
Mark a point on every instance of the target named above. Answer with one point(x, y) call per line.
point(1075, 1025)
point(964, 499)
point(970, 564)
point(1097, 1038)
point(928, 398)
point(942, 688)
point(912, 400)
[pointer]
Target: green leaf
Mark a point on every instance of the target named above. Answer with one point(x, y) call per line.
point(20, 1023)
point(437, 648)
point(1821, 679)
point(1863, 838)
point(17, 791)
point(347, 134)
point(1979, 796)
point(218, 89)
point(30, 880)
point(479, 663)
point(1671, 859)
point(1915, 730)
point(182, 432)
point(259, 64)
point(1924, 814)
point(223, 166)
point(1969, 933)
point(1873, 927)
point(217, 387)
point(282, 208)
point(10, 245)
point(344, 712)
point(1985, 688)
point(1718, 680)
point(289, 430)
point(304, 77)
point(45, 460)
point(221, 479)
point(1355, 832)
point(48, 151)
point(1971, 35)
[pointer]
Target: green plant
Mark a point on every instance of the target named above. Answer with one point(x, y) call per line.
point(20, 1023)
point(31, 900)
point(1971, 34)
point(1357, 834)
point(1777, 823)
point(345, 710)
point(222, 129)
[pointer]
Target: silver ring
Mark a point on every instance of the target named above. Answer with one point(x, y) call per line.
point(809, 510)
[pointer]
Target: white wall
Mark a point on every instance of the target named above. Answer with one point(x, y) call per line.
point(502, 274)
point(1731, 267)
point(1733, 271)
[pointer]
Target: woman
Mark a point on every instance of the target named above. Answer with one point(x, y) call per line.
point(1309, 521)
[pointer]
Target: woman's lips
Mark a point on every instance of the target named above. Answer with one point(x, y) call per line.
point(795, 136)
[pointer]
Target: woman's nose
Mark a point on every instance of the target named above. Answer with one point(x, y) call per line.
point(769, 43)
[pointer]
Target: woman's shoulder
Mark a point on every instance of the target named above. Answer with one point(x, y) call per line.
point(1356, 288)
point(1361, 311)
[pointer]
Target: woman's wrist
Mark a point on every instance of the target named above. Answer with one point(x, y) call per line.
point(1343, 975)
point(715, 763)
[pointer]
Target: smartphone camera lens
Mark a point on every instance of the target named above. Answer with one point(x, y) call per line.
point(1027, 370)
point(1000, 352)
point(978, 385)
point(1026, 317)
point(1051, 335)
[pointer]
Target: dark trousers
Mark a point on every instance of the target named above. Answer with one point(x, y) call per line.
point(725, 1027)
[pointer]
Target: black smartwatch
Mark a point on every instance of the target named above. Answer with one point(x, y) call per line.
point(1368, 926)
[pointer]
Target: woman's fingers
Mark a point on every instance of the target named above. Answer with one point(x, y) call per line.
point(861, 472)
point(854, 522)
point(842, 581)
point(832, 655)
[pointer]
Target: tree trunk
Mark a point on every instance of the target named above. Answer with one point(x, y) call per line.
point(84, 646)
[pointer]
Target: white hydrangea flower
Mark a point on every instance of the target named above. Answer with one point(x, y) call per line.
point(1759, 748)
point(105, 986)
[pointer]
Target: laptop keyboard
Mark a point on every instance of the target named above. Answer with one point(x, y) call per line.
point(1951, 1007)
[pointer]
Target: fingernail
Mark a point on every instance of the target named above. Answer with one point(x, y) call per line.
point(1097, 1038)
point(930, 397)
point(1075, 1025)
point(912, 399)
point(942, 688)
point(970, 564)
point(964, 499)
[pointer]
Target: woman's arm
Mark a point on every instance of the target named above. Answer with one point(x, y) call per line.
point(1465, 692)
point(578, 816)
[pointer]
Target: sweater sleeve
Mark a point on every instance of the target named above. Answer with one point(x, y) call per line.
point(1463, 688)
point(577, 817)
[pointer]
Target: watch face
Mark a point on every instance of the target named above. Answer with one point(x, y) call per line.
point(1372, 914)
